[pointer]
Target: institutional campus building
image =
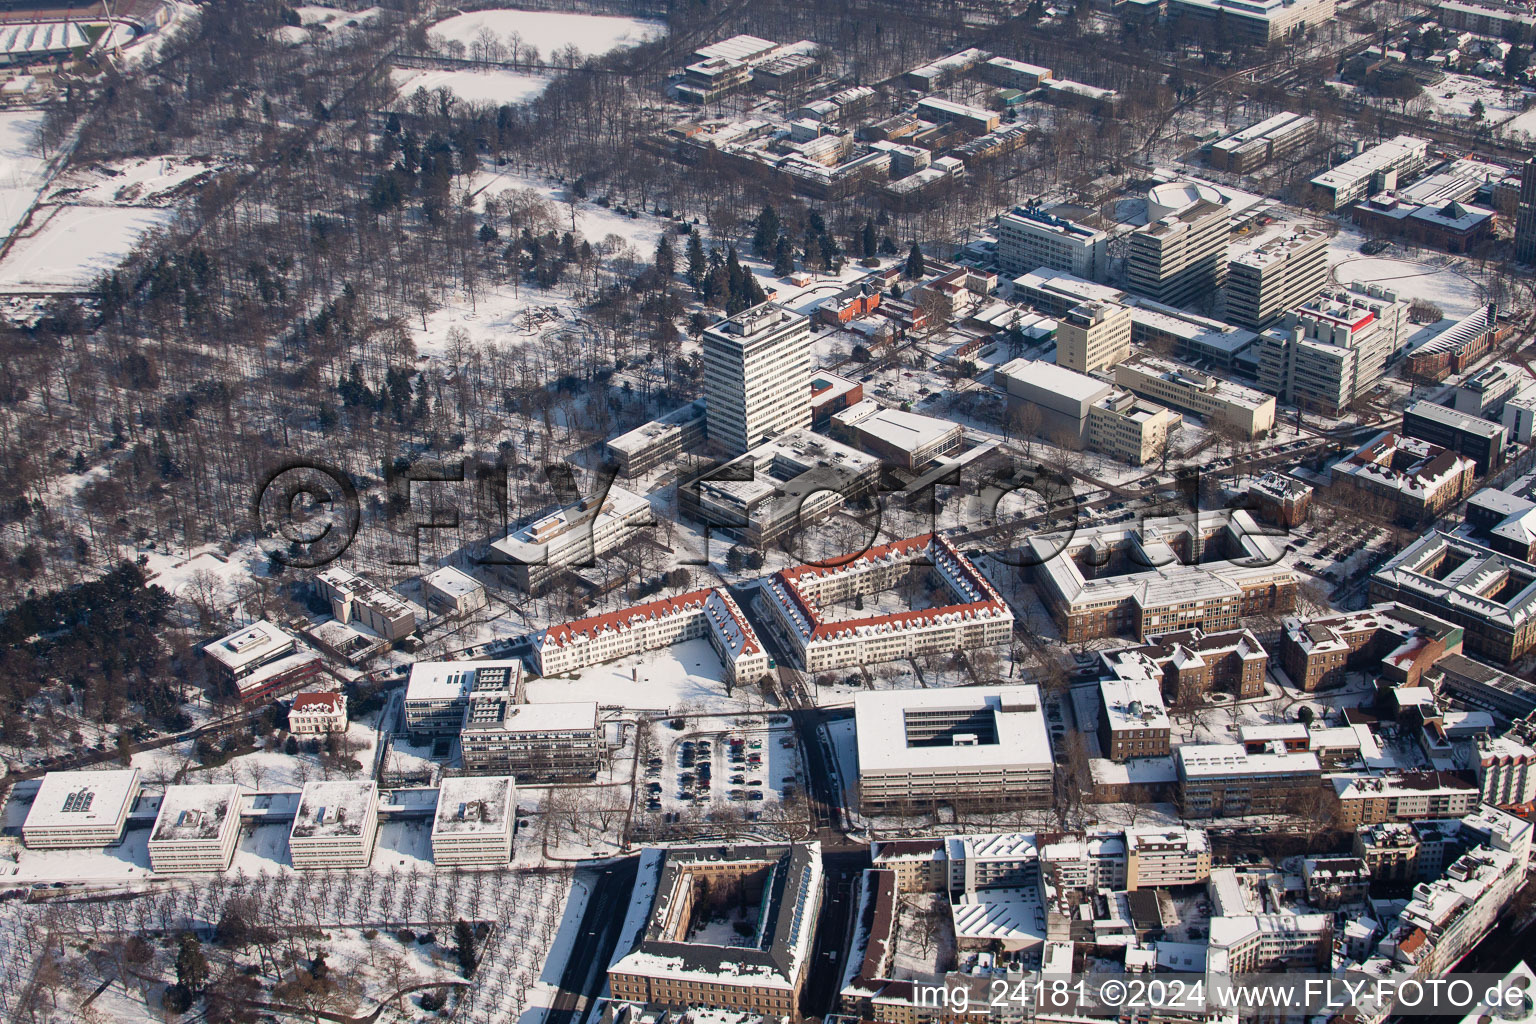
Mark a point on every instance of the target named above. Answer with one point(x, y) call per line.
point(196, 829)
point(798, 598)
point(968, 746)
point(757, 372)
point(437, 692)
point(260, 660)
point(335, 825)
point(682, 959)
point(474, 821)
point(1219, 402)
point(1204, 570)
point(354, 598)
point(533, 556)
point(1396, 642)
point(710, 613)
point(80, 809)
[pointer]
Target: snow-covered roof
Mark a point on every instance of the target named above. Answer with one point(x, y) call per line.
point(253, 644)
point(334, 808)
point(195, 812)
point(1016, 719)
point(83, 799)
point(455, 582)
point(474, 804)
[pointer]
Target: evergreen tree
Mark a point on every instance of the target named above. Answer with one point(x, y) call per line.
point(191, 964)
point(915, 264)
point(464, 946)
point(871, 243)
point(697, 268)
point(784, 259)
point(666, 260)
point(767, 236)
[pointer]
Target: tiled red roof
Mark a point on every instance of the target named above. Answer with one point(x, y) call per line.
point(317, 702)
point(692, 601)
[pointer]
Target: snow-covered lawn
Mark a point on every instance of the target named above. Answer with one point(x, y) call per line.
point(549, 31)
point(682, 677)
point(22, 168)
point(72, 245)
point(1446, 285)
point(150, 181)
point(498, 87)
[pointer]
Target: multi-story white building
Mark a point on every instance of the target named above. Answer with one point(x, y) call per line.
point(437, 692)
point(475, 821)
point(1246, 150)
point(356, 599)
point(1276, 276)
point(335, 825)
point(197, 829)
point(1157, 857)
point(1093, 336)
point(1129, 428)
point(1244, 943)
point(533, 555)
point(1259, 22)
point(531, 742)
point(1378, 169)
point(1181, 258)
point(79, 809)
point(757, 372)
point(906, 439)
point(450, 591)
point(711, 613)
point(259, 660)
point(314, 714)
point(1220, 402)
point(974, 745)
point(799, 598)
point(1329, 351)
point(658, 442)
point(1224, 779)
point(1029, 238)
point(1063, 397)
point(1506, 771)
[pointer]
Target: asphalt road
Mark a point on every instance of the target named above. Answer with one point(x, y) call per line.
point(841, 872)
point(586, 968)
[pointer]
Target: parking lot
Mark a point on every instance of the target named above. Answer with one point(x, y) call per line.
point(748, 765)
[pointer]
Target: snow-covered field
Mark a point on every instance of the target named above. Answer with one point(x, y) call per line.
point(151, 181)
point(498, 87)
point(22, 168)
point(549, 31)
point(682, 677)
point(1444, 285)
point(75, 244)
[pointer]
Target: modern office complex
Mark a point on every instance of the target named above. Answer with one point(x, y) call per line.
point(682, 958)
point(1181, 258)
point(659, 442)
point(711, 613)
point(1259, 22)
point(1207, 571)
point(335, 825)
point(1525, 216)
point(1093, 336)
point(1219, 402)
point(1224, 780)
point(1331, 350)
point(1247, 150)
point(787, 483)
point(474, 821)
point(1481, 440)
point(450, 591)
point(356, 599)
point(533, 556)
point(548, 742)
point(80, 809)
point(1029, 238)
point(757, 371)
point(197, 829)
point(905, 439)
point(1271, 278)
point(970, 746)
point(803, 600)
point(1379, 168)
point(1130, 429)
point(260, 660)
point(1064, 397)
point(437, 692)
point(1491, 596)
